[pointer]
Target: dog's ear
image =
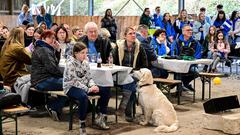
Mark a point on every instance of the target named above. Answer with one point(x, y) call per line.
point(136, 75)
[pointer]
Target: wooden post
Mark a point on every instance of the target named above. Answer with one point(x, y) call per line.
point(11, 6)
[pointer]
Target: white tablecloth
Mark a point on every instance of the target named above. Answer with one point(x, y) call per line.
point(181, 66)
point(105, 76)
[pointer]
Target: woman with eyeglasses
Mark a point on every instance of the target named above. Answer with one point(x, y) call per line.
point(63, 38)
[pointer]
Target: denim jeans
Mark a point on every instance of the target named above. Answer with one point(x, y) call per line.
point(188, 77)
point(53, 84)
point(82, 96)
point(159, 73)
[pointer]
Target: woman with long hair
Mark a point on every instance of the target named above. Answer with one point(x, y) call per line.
point(181, 20)
point(14, 56)
point(109, 23)
point(167, 25)
point(218, 23)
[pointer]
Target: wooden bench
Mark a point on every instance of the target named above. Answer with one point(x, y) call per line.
point(72, 102)
point(12, 113)
point(167, 84)
point(207, 77)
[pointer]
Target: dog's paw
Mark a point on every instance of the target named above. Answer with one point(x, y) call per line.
point(143, 123)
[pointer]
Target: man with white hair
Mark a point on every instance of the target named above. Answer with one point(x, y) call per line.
point(96, 44)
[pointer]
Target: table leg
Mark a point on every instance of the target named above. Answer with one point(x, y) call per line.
point(210, 88)
point(116, 117)
point(1, 130)
point(203, 88)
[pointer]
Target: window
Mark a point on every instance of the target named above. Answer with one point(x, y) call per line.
point(132, 9)
point(193, 6)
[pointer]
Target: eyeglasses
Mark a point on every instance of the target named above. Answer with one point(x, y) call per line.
point(190, 30)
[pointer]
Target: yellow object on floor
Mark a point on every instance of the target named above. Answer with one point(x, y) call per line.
point(217, 81)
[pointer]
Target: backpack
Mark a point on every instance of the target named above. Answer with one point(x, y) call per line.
point(8, 99)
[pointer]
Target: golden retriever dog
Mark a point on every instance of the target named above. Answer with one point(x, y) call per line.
point(157, 109)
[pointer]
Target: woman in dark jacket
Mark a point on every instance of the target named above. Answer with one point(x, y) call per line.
point(145, 18)
point(109, 23)
point(46, 74)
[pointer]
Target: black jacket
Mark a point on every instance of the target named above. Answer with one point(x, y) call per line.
point(102, 45)
point(45, 62)
point(111, 26)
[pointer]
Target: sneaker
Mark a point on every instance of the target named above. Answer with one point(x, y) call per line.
point(55, 115)
point(188, 92)
point(49, 110)
point(82, 128)
point(52, 113)
point(101, 121)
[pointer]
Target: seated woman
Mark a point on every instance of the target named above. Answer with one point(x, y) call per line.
point(130, 53)
point(161, 47)
point(78, 84)
point(28, 36)
point(220, 50)
point(14, 57)
point(46, 74)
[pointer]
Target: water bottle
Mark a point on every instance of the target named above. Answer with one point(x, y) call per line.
point(99, 60)
point(110, 60)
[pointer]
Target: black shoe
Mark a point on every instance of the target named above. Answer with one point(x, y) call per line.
point(228, 63)
point(190, 87)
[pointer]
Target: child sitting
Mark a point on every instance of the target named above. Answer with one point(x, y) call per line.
point(77, 84)
point(220, 50)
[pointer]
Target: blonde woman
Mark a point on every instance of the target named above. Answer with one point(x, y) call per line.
point(181, 20)
point(13, 57)
point(25, 17)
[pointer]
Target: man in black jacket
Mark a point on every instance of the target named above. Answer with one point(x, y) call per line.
point(95, 43)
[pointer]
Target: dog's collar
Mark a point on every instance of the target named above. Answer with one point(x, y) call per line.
point(144, 85)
